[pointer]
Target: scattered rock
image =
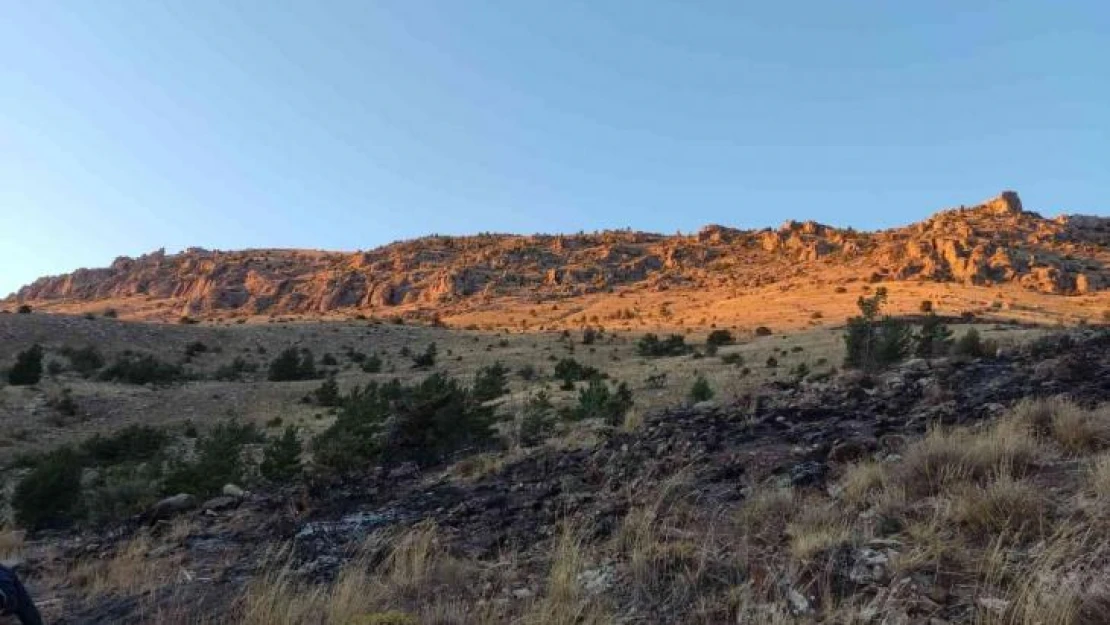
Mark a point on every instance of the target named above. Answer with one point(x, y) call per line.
point(171, 506)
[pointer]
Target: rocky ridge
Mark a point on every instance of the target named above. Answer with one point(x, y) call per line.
point(997, 242)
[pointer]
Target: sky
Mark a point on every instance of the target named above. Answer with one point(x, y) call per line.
point(131, 126)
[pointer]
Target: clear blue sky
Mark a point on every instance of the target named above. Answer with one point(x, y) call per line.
point(128, 126)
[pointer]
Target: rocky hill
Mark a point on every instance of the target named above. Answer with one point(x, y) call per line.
point(994, 243)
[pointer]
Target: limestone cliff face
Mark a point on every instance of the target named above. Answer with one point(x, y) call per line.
point(993, 243)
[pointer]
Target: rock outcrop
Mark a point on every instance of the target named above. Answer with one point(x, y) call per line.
point(996, 242)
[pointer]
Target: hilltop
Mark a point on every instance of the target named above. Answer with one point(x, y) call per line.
point(516, 281)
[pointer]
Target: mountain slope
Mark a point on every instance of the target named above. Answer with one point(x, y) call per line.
point(996, 243)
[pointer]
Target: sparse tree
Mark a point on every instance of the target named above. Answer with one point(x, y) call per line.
point(27, 369)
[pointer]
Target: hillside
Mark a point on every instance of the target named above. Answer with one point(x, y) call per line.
point(461, 280)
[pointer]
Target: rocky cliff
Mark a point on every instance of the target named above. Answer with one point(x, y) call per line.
point(993, 243)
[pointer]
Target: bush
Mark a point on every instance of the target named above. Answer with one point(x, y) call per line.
point(372, 363)
point(195, 349)
point(423, 423)
point(720, 337)
point(27, 369)
point(570, 371)
point(50, 496)
point(527, 372)
point(596, 401)
point(132, 368)
point(700, 391)
point(733, 359)
point(491, 382)
point(234, 370)
point(134, 443)
point(328, 393)
point(281, 458)
point(123, 493)
point(934, 339)
point(651, 346)
point(218, 461)
point(24, 309)
point(589, 336)
point(427, 360)
point(872, 343)
point(657, 380)
point(85, 360)
point(536, 423)
point(763, 331)
point(926, 306)
point(971, 345)
point(292, 364)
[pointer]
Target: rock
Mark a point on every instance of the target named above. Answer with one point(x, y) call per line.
point(798, 603)
point(171, 506)
point(808, 473)
point(850, 450)
point(993, 604)
point(220, 503)
point(231, 490)
point(522, 593)
point(597, 581)
point(869, 566)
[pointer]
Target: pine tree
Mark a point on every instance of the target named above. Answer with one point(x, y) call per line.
point(281, 459)
point(27, 369)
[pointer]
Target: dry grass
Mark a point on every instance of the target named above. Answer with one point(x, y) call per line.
point(861, 482)
point(130, 570)
point(949, 457)
point(11, 545)
point(1098, 477)
point(1004, 506)
point(817, 528)
point(1074, 429)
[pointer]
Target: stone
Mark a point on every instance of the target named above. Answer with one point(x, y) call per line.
point(798, 603)
point(808, 473)
point(220, 503)
point(171, 506)
point(231, 490)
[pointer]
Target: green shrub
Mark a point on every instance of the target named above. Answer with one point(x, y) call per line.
point(934, 338)
point(372, 363)
point(328, 393)
point(195, 348)
point(872, 343)
point(700, 391)
point(596, 401)
point(422, 423)
point(281, 458)
point(50, 496)
point(589, 336)
point(218, 461)
point(134, 443)
point(491, 382)
point(24, 309)
point(527, 372)
point(536, 422)
point(85, 360)
point(971, 345)
point(772, 362)
point(292, 364)
point(27, 369)
point(426, 360)
point(132, 368)
point(234, 370)
point(54, 368)
point(122, 493)
point(720, 337)
point(651, 346)
point(763, 331)
point(733, 359)
point(570, 371)
point(657, 380)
